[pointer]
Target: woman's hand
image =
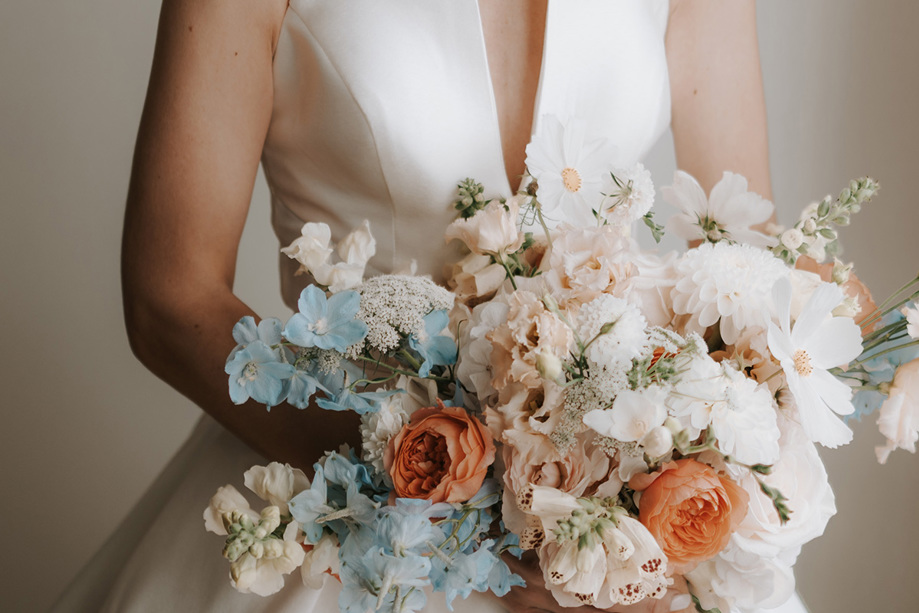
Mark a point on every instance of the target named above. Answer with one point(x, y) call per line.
point(535, 598)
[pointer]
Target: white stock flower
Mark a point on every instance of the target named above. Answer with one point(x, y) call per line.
point(568, 169)
point(226, 500)
point(727, 283)
point(264, 575)
point(621, 328)
point(491, 231)
point(816, 343)
point(898, 420)
point(695, 392)
point(629, 194)
point(728, 214)
point(634, 414)
point(276, 483)
point(745, 422)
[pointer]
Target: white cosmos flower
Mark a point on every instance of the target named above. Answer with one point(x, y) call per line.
point(817, 342)
point(727, 283)
point(569, 169)
point(727, 214)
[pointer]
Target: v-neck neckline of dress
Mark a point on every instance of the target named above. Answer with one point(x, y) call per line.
point(537, 100)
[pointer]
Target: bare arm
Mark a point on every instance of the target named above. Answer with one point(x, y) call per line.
point(719, 112)
point(204, 123)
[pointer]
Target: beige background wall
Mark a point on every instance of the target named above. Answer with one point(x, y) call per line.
point(86, 428)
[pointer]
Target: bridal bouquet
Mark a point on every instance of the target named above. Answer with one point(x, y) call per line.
point(646, 423)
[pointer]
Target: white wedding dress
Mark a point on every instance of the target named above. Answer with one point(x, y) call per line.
point(380, 108)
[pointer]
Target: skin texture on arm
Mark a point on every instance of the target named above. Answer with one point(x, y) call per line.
point(718, 107)
point(204, 123)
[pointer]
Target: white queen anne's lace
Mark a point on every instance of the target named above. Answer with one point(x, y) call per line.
point(394, 306)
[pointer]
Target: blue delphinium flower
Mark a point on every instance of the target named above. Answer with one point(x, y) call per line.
point(501, 579)
point(407, 526)
point(436, 350)
point(327, 323)
point(376, 581)
point(311, 504)
point(465, 572)
point(268, 331)
point(256, 372)
point(879, 371)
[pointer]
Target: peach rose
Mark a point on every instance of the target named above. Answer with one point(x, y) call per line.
point(690, 510)
point(441, 455)
point(853, 288)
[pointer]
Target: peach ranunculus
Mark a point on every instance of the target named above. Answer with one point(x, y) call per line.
point(690, 510)
point(441, 455)
point(853, 288)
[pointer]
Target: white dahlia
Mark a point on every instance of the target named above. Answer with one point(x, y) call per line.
point(727, 283)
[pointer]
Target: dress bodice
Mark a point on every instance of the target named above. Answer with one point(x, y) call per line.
point(380, 108)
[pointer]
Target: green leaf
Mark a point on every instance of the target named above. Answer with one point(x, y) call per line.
point(657, 230)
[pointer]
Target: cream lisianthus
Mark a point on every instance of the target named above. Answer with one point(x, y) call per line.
point(491, 231)
point(568, 169)
point(817, 342)
point(899, 416)
point(729, 213)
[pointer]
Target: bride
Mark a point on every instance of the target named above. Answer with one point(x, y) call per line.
point(367, 109)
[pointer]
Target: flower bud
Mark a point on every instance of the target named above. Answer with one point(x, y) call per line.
point(841, 272)
point(548, 365)
point(792, 238)
point(810, 226)
point(657, 442)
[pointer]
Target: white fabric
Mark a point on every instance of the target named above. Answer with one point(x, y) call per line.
point(380, 108)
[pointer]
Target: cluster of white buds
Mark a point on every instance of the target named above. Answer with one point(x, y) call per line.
point(814, 235)
point(245, 535)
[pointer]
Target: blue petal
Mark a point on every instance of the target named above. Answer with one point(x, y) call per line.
point(245, 330)
point(343, 306)
point(312, 302)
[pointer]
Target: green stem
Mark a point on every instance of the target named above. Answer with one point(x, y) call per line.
point(542, 222)
point(886, 351)
point(880, 311)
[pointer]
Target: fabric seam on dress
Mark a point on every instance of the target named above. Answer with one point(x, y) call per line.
point(373, 138)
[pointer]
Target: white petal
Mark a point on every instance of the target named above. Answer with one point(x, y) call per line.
point(817, 420)
point(825, 298)
point(836, 342)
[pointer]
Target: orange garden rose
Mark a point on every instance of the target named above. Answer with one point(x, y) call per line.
point(690, 510)
point(441, 455)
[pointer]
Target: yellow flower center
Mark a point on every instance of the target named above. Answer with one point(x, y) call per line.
point(571, 178)
point(802, 363)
